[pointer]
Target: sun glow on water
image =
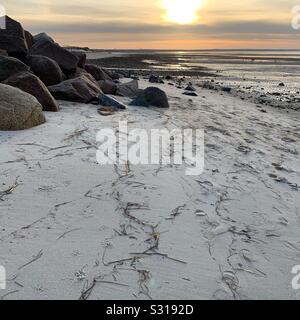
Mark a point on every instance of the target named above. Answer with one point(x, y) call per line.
point(182, 11)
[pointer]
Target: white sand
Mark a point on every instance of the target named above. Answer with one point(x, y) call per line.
point(65, 221)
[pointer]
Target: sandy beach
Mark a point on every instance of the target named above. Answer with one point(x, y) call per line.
point(150, 156)
point(73, 229)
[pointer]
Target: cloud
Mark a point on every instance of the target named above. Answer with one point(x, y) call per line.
point(119, 27)
point(132, 21)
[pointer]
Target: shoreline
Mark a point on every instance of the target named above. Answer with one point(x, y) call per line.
point(264, 92)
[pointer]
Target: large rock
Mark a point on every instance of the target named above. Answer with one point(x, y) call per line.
point(10, 66)
point(108, 87)
point(28, 38)
point(151, 97)
point(112, 74)
point(81, 58)
point(42, 37)
point(97, 72)
point(12, 39)
point(46, 69)
point(31, 84)
point(129, 89)
point(66, 60)
point(80, 89)
point(18, 110)
point(80, 72)
point(3, 53)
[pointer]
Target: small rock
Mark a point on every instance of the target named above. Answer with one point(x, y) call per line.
point(190, 88)
point(129, 89)
point(151, 97)
point(108, 86)
point(107, 101)
point(190, 93)
point(226, 89)
point(155, 79)
point(97, 72)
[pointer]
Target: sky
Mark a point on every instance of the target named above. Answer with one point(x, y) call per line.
point(161, 24)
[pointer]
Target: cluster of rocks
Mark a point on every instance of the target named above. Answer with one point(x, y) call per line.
point(278, 99)
point(35, 72)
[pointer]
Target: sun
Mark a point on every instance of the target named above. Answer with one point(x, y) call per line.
point(182, 11)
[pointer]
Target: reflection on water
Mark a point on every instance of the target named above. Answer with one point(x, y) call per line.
point(260, 70)
point(254, 68)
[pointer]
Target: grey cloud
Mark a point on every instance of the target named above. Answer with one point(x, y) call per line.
point(117, 27)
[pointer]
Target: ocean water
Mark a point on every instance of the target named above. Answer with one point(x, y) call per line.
point(265, 69)
point(258, 69)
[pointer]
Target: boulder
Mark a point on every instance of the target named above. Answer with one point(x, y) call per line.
point(31, 84)
point(151, 97)
point(107, 101)
point(12, 39)
point(108, 87)
point(80, 72)
point(10, 66)
point(42, 37)
point(81, 58)
point(97, 72)
point(18, 110)
point(81, 89)
point(129, 89)
point(3, 53)
point(46, 69)
point(112, 74)
point(66, 60)
point(28, 38)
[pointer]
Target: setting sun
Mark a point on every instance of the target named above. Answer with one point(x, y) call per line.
point(182, 11)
